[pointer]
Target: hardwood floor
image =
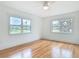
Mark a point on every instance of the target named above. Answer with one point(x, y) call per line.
point(42, 49)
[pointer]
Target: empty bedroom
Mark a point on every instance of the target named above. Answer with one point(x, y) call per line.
point(39, 29)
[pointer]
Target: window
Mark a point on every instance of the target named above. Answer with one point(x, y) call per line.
point(26, 26)
point(62, 25)
point(19, 25)
point(15, 25)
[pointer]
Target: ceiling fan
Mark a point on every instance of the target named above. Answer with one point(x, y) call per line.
point(46, 4)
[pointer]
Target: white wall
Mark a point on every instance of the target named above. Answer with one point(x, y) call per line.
point(7, 40)
point(72, 38)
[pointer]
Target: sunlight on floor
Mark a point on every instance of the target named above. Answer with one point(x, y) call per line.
point(23, 54)
point(27, 53)
point(66, 53)
point(58, 52)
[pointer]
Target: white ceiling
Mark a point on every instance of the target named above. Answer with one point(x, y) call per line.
point(36, 8)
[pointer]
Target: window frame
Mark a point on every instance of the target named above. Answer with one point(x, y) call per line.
point(51, 25)
point(18, 25)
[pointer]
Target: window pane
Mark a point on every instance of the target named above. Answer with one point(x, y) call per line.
point(15, 21)
point(55, 26)
point(56, 23)
point(26, 29)
point(15, 29)
point(26, 22)
point(56, 29)
point(26, 26)
point(66, 25)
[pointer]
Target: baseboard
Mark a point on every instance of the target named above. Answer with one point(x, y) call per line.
point(60, 41)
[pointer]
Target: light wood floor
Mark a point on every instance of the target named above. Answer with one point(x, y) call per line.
point(42, 49)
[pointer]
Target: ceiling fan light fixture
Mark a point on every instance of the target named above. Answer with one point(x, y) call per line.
point(47, 4)
point(45, 7)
